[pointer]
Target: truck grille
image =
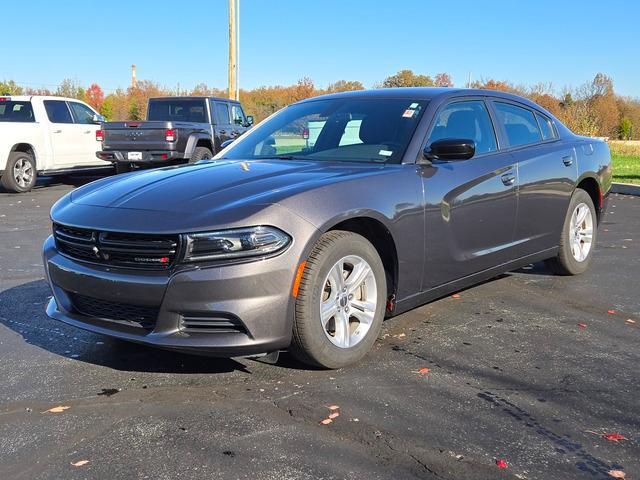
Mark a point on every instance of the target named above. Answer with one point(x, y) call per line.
point(151, 252)
point(135, 315)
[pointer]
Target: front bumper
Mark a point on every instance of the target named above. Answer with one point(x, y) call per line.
point(255, 295)
point(148, 157)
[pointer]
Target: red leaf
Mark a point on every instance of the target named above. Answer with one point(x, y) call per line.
point(582, 325)
point(455, 295)
point(611, 312)
point(617, 474)
point(423, 371)
point(501, 463)
point(613, 437)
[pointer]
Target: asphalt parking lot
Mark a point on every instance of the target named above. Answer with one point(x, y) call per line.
point(528, 368)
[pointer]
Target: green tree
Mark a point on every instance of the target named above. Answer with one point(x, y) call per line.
point(106, 109)
point(134, 111)
point(344, 86)
point(406, 78)
point(71, 89)
point(11, 88)
point(625, 128)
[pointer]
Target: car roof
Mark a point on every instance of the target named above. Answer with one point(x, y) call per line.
point(28, 98)
point(187, 97)
point(425, 93)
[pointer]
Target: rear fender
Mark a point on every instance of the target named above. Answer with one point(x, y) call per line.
point(193, 141)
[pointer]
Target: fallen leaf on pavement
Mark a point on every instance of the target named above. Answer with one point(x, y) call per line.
point(423, 371)
point(455, 295)
point(79, 463)
point(334, 415)
point(501, 463)
point(582, 325)
point(326, 421)
point(59, 409)
point(611, 312)
point(617, 474)
point(613, 437)
point(630, 322)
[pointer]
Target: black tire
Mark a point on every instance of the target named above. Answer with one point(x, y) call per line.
point(565, 263)
point(311, 343)
point(122, 167)
point(200, 153)
point(8, 180)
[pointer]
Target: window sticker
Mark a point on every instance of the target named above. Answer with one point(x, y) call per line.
point(408, 113)
point(385, 153)
point(414, 105)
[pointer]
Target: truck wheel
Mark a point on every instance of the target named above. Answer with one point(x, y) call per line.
point(122, 167)
point(578, 237)
point(20, 173)
point(200, 153)
point(340, 301)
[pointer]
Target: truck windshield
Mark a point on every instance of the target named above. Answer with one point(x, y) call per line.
point(16, 111)
point(342, 129)
point(178, 110)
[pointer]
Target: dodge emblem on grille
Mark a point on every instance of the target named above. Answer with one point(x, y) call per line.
point(99, 254)
point(96, 252)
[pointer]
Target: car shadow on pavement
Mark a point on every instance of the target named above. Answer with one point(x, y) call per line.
point(22, 310)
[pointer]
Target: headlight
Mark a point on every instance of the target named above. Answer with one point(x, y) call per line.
point(241, 242)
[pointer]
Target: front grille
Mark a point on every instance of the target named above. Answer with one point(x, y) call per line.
point(153, 252)
point(211, 324)
point(135, 315)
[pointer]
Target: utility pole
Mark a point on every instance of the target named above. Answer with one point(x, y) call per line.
point(233, 90)
point(134, 81)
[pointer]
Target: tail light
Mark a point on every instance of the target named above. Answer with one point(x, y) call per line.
point(99, 135)
point(170, 135)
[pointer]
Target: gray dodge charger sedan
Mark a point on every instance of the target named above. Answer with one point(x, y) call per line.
point(328, 216)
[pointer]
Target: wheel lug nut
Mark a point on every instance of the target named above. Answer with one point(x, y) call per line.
point(351, 296)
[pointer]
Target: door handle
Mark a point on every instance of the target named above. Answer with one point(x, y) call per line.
point(222, 132)
point(57, 131)
point(508, 179)
point(87, 131)
point(568, 160)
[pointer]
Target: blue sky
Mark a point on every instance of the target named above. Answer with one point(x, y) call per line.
point(565, 42)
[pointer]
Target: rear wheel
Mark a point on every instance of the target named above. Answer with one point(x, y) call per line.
point(578, 237)
point(341, 301)
point(200, 153)
point(20, 173)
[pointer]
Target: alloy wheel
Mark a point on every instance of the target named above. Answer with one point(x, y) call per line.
point(581, 232)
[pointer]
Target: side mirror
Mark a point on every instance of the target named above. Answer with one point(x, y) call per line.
point(226, 143)
point(450, 149)
point(97, 118)
point(249, 120)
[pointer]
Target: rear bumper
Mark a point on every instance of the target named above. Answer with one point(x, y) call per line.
point(148, 157)
point(246, 308)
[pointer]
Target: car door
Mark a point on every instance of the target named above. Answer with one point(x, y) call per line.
point(470, 205)
point(62, 133)
point(547, 173)
point(223, 126)
point(85, 130)
point(238, 120)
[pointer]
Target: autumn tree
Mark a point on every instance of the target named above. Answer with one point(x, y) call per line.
point(9, 87)
point(71, 89)
point(344, 86)
point(94, 96)
point(406, 78)
point(443, 80)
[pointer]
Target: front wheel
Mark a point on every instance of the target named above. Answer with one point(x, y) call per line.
point(20, 173)
point(340, 303)
point(578, 237)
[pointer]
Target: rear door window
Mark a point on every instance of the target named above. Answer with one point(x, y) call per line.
point(16, 112)
point(519, 124)
point(546, 127)
point(82, 113)
point(468, 120)
point(57, 111)
point(222, 113)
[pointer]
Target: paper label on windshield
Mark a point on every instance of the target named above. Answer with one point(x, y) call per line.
point(413, 105)
point(385, 153)
point(408, 113)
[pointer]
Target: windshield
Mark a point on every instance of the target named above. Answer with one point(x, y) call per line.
point(342, 129)
point(178, 110)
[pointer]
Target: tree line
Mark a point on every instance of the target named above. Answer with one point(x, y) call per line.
point(592, 109)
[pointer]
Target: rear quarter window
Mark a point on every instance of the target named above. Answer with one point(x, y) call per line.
point(16, 112)
point(546, 127)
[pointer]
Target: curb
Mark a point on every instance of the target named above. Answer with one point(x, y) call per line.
point(625, 188)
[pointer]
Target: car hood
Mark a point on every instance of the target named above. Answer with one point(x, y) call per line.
point(215, 185)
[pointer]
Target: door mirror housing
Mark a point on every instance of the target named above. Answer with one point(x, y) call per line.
point(450, 149)
point(249, 120)
point(97, 119)
point(226, 143)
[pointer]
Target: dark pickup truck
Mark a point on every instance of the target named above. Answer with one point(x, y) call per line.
point(177, 130)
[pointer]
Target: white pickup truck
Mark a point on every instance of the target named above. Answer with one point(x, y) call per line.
point(42, 135)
